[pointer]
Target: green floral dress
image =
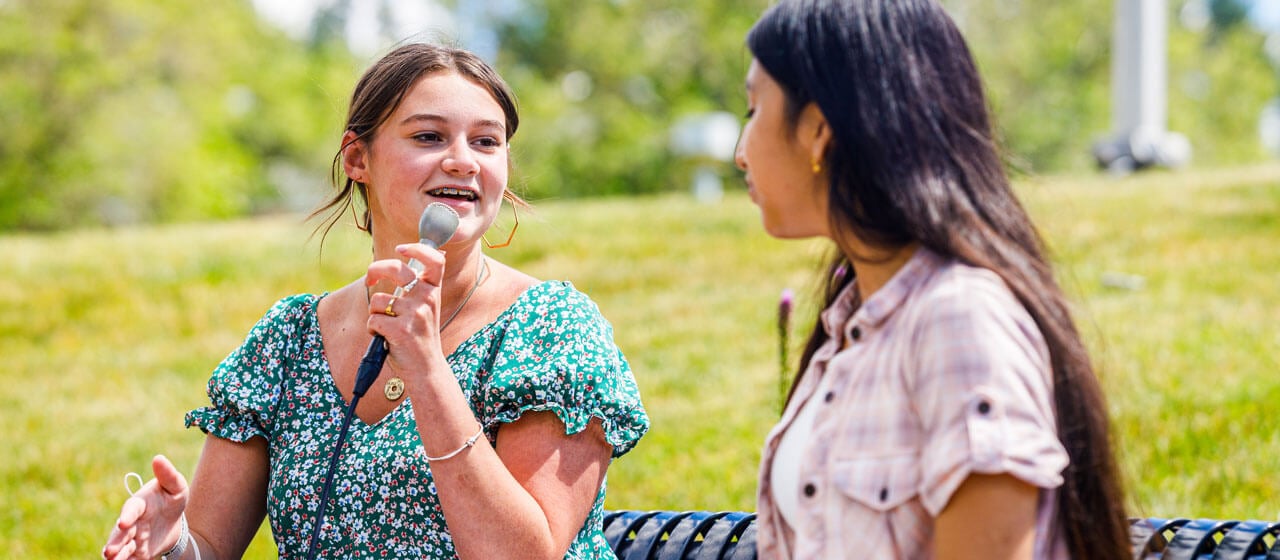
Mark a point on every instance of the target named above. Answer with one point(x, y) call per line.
point(551, 350)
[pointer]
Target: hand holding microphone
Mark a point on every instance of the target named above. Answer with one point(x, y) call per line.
point(436, 226)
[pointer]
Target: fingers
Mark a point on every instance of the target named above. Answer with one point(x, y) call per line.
point(123, 552)
point(151, 514)
point(126, 552)
point(121, 536)
point(168, 477)
point(389, 271)
point(431, 259)
point(120, 543)
point(132, 509)
point(398, 273)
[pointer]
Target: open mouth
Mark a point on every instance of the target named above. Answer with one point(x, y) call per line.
point(456, 194)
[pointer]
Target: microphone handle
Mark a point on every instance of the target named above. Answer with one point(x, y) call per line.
point(371, 365)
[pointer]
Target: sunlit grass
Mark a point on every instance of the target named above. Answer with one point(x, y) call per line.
point(1190, 359)
point(108, 337)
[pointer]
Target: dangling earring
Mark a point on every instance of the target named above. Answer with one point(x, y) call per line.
point(817, 166)
point(515, 214)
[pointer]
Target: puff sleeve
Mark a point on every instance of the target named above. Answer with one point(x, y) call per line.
point(245, 388)
point(558, 354)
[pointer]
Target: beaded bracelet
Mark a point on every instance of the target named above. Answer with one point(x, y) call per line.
point(470, 442)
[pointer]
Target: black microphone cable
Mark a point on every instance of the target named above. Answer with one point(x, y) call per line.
point(436, 226)
point(370, 367)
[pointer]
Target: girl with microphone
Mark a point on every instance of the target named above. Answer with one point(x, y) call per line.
point(501, 402)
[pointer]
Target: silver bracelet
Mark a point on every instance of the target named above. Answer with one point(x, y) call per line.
point(184, 535)
point(470, 442)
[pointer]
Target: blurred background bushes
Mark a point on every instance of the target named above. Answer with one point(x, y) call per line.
point(129, 111)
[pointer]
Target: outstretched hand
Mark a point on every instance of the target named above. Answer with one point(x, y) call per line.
point(150, 520)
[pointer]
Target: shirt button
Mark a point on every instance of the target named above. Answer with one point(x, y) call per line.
point(810, 490)
point(856, 333)
point(984, 407)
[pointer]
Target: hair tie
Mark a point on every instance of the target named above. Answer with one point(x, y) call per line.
point(131, 476)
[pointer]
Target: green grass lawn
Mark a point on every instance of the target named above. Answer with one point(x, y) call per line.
point(107, 338)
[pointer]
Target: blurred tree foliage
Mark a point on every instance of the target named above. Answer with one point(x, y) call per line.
point(1047, 69)
point(602, 83)
point(1219, 81)
point(117, 111)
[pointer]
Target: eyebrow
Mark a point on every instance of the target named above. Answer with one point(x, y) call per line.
point(486, 123)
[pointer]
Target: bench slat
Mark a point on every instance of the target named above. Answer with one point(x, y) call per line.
point(731, 535)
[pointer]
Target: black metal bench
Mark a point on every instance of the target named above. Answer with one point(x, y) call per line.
point(731, 535)
point(681, 535)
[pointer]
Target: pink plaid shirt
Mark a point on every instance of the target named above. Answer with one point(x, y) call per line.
point(944, 374)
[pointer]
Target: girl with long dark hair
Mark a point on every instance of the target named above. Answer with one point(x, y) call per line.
point(945, 405)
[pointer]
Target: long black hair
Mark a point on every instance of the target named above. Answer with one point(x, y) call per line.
point(913, 159)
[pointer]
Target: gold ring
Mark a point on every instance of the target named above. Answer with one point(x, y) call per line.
point(388, 311)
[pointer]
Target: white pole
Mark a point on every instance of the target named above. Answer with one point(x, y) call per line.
point(1139, 94)
point(1138, 70)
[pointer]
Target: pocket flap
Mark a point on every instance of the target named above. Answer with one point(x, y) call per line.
point(879, 483)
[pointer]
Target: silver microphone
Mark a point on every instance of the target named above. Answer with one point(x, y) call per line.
point(435, 228)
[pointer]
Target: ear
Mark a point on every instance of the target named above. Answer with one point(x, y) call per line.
point(354, 162)
point(815, 132)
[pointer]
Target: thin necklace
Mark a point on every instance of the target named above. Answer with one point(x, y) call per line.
point(484, 271)
point(394, 387)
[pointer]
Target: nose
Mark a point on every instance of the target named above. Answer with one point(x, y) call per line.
point(460, 161)
point(739, 155)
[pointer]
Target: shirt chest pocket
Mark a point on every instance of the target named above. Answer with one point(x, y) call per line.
point(877, 484)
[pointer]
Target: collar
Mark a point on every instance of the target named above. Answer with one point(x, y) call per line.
point(844, 310)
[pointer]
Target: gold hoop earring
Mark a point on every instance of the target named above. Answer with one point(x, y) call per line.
point(510, 236)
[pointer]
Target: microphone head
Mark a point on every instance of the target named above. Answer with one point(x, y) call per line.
point(437, 224)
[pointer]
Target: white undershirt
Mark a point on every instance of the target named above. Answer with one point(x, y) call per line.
point(784, 478)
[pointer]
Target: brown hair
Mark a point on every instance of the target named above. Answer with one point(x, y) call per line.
point(378, 94)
